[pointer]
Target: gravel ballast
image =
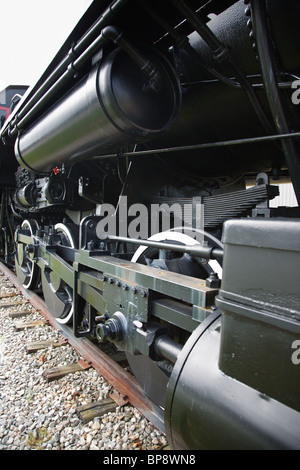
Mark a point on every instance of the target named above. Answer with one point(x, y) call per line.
point(36, 414)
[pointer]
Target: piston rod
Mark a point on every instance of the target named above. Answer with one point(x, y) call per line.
point(199, 250)
point(167, 348)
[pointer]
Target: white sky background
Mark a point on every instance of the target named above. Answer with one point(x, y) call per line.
point(31, 33)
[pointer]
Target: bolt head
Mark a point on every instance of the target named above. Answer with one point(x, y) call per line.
point(102, 332)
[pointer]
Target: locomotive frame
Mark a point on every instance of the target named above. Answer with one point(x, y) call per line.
point(143, 115)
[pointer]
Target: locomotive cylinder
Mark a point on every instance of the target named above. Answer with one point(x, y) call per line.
point(207, 409)
point(107, 110)
point(235, 384)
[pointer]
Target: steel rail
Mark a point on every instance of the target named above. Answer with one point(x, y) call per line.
point(116, 375)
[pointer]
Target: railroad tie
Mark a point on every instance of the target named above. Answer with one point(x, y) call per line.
point(20, 313)
point(4, 295)
point(95, 409)
point(31, 324)
point(60, 371)
point(38, 345)
point(12, 304)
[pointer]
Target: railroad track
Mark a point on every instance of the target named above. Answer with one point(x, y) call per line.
point(125, 388)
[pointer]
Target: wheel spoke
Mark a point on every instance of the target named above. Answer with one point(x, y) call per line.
point(27, 270)
point(143, 366)
point(57, 294)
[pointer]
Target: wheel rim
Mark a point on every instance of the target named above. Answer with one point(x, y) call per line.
point(173, 236)
point(142, 366)
point(28, 272)
point(57, 294)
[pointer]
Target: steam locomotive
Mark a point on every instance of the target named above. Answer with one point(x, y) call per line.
point(126, 200)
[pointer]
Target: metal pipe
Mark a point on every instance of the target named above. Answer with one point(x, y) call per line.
point(44, 99)
point(208, 145)
point(56, 77)
point(219, 50)
point(104, 19)
point(194, 250)
point(109, 33)
point(182, 41)
point(99, 113)
point(167, 348)
point(268, 69)
point(113, 34)
point(221, 54)
point(2, 210)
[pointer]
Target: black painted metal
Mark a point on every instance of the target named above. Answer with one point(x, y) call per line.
point(107, 110)
point(110, 100)
point(116, 375)
point(280, 117)
point(61, 72)
point(207, 409)
point(202, 251)
point(222, 54)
